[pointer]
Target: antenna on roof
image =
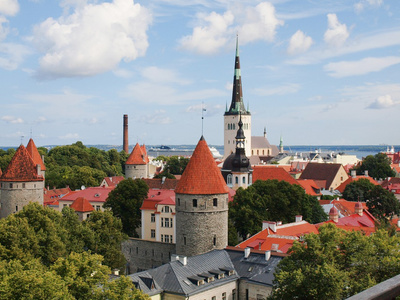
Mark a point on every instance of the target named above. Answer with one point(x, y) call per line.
point(31, 131)
point(202, 117)
point(22, 137)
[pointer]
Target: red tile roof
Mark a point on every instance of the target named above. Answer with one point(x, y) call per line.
point(201, 176)
point(21, 168)
point(34, 153)
point(366, 222)
point(283, 238)
point(112, 181)
point(92, 194)
point(309, 186)
point(158, 183)
point(344, 207)
point(136, 157)
point(144, 151)
point(341, 187)
point(158, 197)
point(50, 197)
point(82, 205)
point(272, 172)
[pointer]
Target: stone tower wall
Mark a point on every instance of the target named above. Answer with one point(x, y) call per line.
point(15, 195)
point(203, 228)
point(136, 171)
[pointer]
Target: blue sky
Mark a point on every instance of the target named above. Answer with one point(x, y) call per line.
point(315, 72)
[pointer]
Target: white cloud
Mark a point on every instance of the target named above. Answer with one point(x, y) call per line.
point(359, 6)
point(123, 73)
point(69, 136)
point(209, 38)
point(158, 117)
point(93, 39)
point(360, 67)
point(383, 102)
point(289, 88)
point(9, 7)
point(215, 30)
point(156, 74)
point(337, 33)
point(299, 43)
point(4, 30)
point(12, 119)
point(12, 55)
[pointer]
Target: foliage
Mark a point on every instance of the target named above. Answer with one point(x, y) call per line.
point(174, 164)
point(382, 203)
point(76, 165)
point(272, 200)
point(358, 190)
point(232, 234)
point(336, 264)
point(5, 157)
point(378, 166)
point(165, 174)
point(125, 202)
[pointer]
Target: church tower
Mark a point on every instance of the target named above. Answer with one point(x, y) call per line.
point(21, 182)
point(236, 109)
point(201, 202)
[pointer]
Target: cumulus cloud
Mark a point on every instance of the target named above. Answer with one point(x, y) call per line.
point(360, 67)
point(383, 102)
point(215, 30)
point(299, 43)
point(93, 39)
point(359, 6)
point(337, 33)
point(9, 7)
point(12, 120)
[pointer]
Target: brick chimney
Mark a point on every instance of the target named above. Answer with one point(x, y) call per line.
point(334, 214)
point(358, 209)
point(125, 145)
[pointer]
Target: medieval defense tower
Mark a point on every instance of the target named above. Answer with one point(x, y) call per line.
point(236, 109)
point(22, 182)
point(137, 164)
point(201, 199)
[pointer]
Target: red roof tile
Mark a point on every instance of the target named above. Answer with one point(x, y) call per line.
point(34, 153)
point(159, 183)
point(50, 197)
point(136, 157)
point(112, 181)
point(272, 172)
point(341, 187)
point(92, 194)
point(143, 148)
point(21, 168)
point(158, 197)
point(82, 205)
point(201, 176)
point(309, 186)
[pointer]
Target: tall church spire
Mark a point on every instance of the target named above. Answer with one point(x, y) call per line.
point(237, 105)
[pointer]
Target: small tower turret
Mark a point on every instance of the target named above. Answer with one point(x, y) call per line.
point(136, 165)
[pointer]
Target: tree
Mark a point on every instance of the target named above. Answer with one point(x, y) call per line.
point(382, 203)
point(272, 200)
point(358, 190)
point(125, 202)
point(174, 164)
point(378, 166)
point(336, 264)
point(165, 174)
point(106, 238)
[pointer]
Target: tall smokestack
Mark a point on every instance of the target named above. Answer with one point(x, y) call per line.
point(125, 145)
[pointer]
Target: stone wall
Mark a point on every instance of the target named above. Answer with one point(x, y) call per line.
point(253, 290)
point(15, 195)
point(143, 254)
point(203, 227)
point(136, 171)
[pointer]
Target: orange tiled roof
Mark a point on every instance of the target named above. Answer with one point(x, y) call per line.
point(272, 172)
point(93, 194)
point(82, 205)
point(341, 187)
point(21, 168)
point(34, 153)
point(113, 181)
point(309, 186)
point(136, 157)
point(144, 151)
point(201, 176)
point(50, 197)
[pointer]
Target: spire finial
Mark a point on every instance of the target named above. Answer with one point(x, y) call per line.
point(202, 117)
point(237, 44)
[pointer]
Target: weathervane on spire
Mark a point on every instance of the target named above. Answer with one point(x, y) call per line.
point(202, 117)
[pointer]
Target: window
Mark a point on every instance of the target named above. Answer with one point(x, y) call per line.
point(153, 218)
point(236, 180)
point(97, 207)
point(162, 238)
point(162, 222)
point(11, 185)
point(153, 233)
point(244, 179)
point(234, 294)
point(166, 222)
point(170, 223)
point(229, 179)
point(215, 240)
point(223, 296)
point(194, 202)
point(166, 209)
point(214, 298)
point(166, 238)
point(215, 202)
point(64, 205)
point(179, 202)
point(23, 185)
point(16, 208)
point(184, 240)
point(170, 238)
point(87, 216)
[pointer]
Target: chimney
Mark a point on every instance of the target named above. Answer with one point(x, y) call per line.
point(358, 209)
point(265, 225)
point(267, 255)
point(334, 215)
point(353, 173)
point(272, 226)
point(278, 223)
point(246, 252)
point(125, 145)
point(366, 173)
point(299, 218)
point(38, 169)
point(116, 272)
point(183, 260)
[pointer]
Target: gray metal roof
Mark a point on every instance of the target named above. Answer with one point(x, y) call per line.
point(145, 282)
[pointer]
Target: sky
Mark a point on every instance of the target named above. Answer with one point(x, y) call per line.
point(313, 72)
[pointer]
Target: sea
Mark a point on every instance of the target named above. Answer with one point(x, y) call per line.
point(360, 151)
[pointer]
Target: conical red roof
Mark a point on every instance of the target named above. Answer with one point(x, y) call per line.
point(136, 157)
point(21, 167)
point(144, 151)
point(201, 176)
point(82, 205)
point(33, 151)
